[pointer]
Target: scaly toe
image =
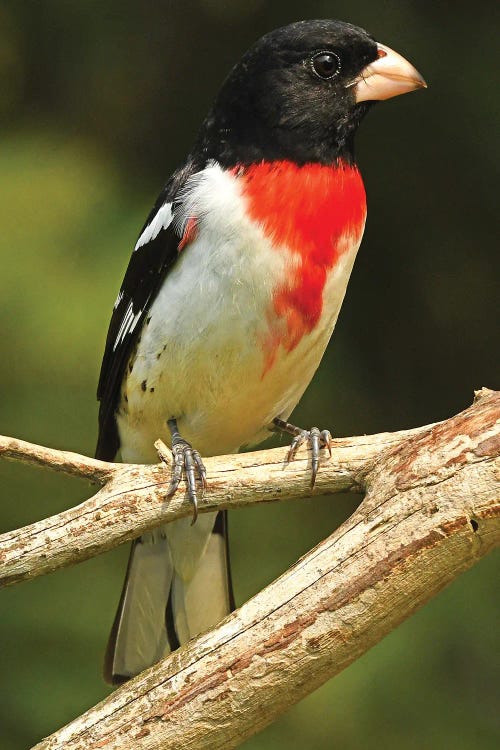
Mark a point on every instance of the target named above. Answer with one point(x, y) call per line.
point(188, 460)
point(326, 440)
point(317, 439)
point(176, 470)
point(296, 443)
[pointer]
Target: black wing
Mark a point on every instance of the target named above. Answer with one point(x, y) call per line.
point(148, 266)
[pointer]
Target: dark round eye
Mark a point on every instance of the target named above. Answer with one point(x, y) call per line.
point(325, 64)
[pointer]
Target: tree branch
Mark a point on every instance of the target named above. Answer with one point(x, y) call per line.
point(431, 511)
point(63, 461)
point(132, 499)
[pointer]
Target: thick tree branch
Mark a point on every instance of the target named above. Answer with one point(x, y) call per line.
point(431, 510)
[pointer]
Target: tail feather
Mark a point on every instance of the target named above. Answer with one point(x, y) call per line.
point(178, 585)
point(138, 637)
point(203, 600)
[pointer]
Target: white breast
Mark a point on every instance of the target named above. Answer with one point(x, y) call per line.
point(199, 358)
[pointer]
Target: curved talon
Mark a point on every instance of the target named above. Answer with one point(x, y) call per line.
point(191, 481)
point(176, 473)
point(189, 460)
point(317, 439)
point(326, 440)
point(302, 436)
point(201, 469)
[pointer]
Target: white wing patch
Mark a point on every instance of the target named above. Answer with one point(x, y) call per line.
point(160, 221)
point(118, 299)
point(134, 321)
point(129, 322)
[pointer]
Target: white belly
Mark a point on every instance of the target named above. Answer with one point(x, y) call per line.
point(201, 358)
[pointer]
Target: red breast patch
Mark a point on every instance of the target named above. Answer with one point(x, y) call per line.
point(308, 210)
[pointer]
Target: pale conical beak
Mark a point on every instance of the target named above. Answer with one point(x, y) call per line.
point(389, 75)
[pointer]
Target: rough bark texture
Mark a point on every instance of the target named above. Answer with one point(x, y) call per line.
point(133, 500)
point(431, 510)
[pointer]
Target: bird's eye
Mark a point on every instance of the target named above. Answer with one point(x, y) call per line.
point(325, 64)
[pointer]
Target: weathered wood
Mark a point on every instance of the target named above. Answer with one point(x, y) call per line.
point(63, 461)
point(133, 500)
point(431, 510)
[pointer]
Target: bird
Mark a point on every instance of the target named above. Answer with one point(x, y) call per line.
point(229, 300)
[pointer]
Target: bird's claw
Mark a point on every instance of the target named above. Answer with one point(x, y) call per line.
point(317, 439)
point(188, 459)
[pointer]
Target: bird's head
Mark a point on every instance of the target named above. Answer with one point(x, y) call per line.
point(300, 93)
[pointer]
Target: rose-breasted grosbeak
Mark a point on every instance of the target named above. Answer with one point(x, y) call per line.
point(229, 300)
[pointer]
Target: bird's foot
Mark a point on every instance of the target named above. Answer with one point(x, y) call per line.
point(187, 459)
point(315, 438)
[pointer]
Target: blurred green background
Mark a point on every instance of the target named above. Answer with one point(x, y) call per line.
point(99, 101)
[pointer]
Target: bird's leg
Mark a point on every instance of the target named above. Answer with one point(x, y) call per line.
point(316, 439)
point(187, 458)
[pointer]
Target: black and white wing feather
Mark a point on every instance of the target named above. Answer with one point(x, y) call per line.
point(154, 254)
